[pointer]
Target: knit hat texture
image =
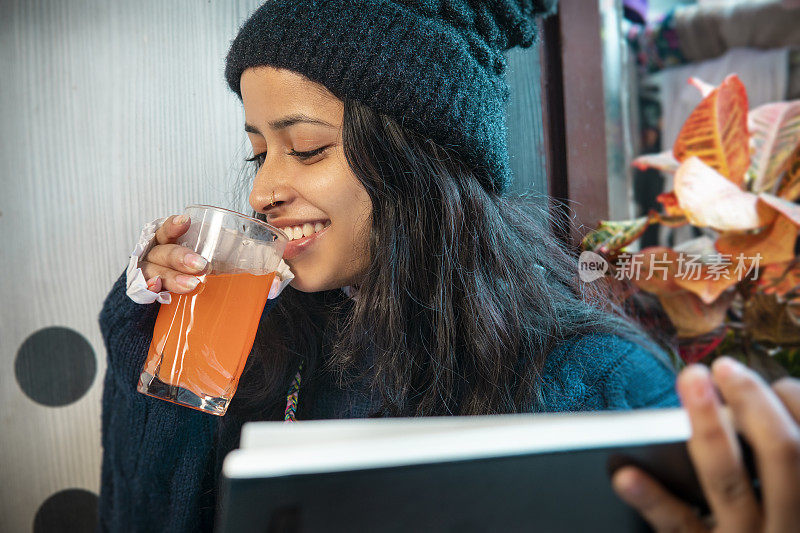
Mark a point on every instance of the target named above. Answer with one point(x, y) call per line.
point(436, 66)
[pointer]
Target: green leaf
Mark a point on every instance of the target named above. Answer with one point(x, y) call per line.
point(610, 236)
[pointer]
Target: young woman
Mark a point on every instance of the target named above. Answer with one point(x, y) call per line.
point(420, 288)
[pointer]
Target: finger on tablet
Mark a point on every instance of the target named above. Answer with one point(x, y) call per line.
point(716, 454)
point(661, 509)
point(773, 434)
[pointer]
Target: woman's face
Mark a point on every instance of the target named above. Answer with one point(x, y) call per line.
point(295, 126)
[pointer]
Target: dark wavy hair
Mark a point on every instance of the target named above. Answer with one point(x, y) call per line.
point(466, 293)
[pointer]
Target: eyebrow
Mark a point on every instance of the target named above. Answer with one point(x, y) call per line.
point(287, 121)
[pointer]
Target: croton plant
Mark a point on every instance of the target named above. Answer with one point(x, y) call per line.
point(734, 289)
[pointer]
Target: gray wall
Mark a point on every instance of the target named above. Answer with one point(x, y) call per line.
point(113, 113)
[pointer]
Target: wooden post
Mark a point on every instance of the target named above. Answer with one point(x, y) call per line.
point(574, 113)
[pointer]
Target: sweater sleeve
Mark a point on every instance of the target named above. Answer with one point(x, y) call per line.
point(159, 459)
point(607, 372)
point(155, 453)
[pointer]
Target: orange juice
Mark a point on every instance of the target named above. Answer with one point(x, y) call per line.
point(201, 340)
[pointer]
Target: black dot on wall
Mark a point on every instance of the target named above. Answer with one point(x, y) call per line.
point(68, 511)
point(55, 366)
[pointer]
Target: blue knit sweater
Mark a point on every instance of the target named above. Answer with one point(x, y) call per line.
point(161, 461)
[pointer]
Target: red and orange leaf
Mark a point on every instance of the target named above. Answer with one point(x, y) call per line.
point(780, 279)
point(708, 290)
point(716, 131)
point(789, 188)
point(670, 203)
point(710, 200)
point(769, 320)
point(712, 277)
point(690, 316)
point(774, 243)
point(664, 271)
point(657, 272)
point(788, 209)
point(663, 161)
point(775, 133)
point(702, 246)
point(704, 88)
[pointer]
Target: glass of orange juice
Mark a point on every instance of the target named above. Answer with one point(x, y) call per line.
point(201, 339)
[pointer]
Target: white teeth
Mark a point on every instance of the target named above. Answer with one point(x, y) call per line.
point(298, 232)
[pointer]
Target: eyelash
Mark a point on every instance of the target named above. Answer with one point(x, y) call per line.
point(303, 156)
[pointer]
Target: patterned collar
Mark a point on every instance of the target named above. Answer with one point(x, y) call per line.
point(294, 389)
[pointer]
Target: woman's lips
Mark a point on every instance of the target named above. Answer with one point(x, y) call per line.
point(298, 246)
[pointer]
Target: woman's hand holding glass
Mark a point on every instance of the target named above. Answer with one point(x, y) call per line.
point(767, 417)
point(169, 266)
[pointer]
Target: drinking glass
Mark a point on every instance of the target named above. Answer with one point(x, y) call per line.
point(201, 339)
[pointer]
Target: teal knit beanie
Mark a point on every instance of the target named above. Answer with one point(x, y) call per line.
point(436, 66)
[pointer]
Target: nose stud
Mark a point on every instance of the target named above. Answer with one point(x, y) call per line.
point(273, 199)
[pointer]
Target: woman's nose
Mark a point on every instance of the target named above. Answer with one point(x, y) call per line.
point(267, 193)
point(260, 198)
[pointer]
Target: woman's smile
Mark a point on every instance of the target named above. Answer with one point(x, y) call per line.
point(304, 229)
point(309, 234)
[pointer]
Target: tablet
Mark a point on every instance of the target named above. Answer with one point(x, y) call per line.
point(522, 472)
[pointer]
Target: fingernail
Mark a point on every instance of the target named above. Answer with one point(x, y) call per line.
point(195, 261)
point(152, 283)
point(699, 387)
point(188, 282)
point(182, 219)
point(727, 368)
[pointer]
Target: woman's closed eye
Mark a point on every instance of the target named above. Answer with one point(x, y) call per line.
point(307, 155)
point(258, 159)
point(303, 156)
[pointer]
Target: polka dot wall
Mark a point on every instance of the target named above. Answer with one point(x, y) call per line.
point(96, 99)
point(55, 366)
point(114, 113)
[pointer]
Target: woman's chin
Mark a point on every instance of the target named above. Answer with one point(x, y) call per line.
point(312, 280)
point(306, 285)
